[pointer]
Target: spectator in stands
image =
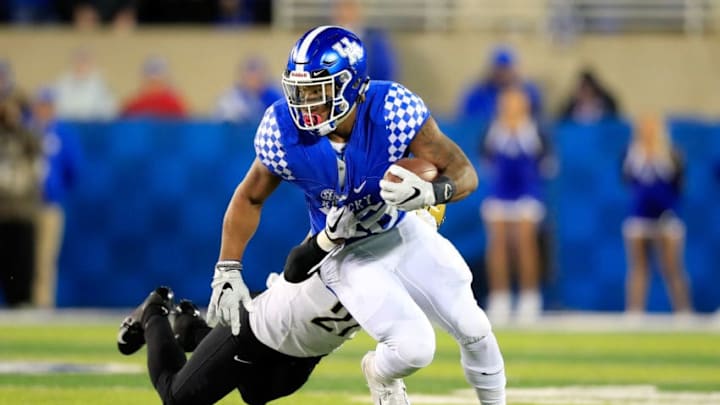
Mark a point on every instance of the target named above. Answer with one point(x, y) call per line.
point(654, 171)
point(81, 93)
point(85, 16)
point(252, 93)
point(20, 177)
point(480, 101)
point(234, 13)
point(9, 91)
point(62, 156)
point(25, 12)
point(156, 96)
point(381, 57)
point(590, 102)
point(125, 19)
point(515, 152)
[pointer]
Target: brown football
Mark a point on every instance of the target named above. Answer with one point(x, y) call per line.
point(424, 169)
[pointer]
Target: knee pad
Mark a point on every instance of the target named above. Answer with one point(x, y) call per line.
point(405, 353)
point(417, 352)
point(472, 327)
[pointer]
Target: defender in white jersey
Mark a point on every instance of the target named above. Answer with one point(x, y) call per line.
point(293, 324)
point(335, 136)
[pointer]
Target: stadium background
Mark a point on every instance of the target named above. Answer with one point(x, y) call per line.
point(149, 203)
point(149, 207)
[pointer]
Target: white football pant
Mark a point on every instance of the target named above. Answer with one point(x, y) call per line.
point(394, 284)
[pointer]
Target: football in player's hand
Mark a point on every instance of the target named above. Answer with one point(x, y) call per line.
point(424, 169)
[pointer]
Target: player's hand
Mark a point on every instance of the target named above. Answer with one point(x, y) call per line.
point(229, 290)
point(340, 224)
point(410, 193)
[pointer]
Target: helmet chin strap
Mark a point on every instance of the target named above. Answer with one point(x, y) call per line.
point(326, 129)
point(331, 126)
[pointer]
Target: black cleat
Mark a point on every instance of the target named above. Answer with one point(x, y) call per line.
point(131, 335)
point(187, 321)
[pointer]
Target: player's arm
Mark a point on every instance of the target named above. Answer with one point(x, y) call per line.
point(241, 220)
point(340, 225)
point(453, 165)
point(243, 212)
point(302, 259)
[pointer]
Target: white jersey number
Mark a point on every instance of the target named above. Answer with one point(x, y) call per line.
point(344, 324)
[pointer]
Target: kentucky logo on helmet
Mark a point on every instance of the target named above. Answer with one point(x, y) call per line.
point(324, 78)
point(349, 49)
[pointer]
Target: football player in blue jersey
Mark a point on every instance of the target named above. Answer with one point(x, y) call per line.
point(335, 135)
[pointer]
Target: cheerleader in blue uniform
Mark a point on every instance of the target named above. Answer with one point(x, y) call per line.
point(654, 171)
point(514, 150)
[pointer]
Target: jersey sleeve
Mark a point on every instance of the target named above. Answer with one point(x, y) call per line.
point(269, 147)
point(404, 113)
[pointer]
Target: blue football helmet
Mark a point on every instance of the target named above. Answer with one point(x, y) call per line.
point(326, 74)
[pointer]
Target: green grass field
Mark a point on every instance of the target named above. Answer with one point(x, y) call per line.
point(684, 367)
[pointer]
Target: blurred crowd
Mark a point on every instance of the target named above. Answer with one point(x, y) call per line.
point(126, 14)
point(41, 156)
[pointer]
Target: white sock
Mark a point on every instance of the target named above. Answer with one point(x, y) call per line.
point(491, 397)
point(485, 369)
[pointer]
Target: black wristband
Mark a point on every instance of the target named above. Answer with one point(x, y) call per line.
point(444, 189)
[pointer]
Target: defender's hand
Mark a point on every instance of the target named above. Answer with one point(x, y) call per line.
point(229, 290)
point(410, 193)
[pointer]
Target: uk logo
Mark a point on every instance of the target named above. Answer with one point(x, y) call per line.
point(349, 49)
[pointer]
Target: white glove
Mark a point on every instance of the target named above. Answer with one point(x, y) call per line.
point(340, 224)
point(229, 290)
point(410, 194)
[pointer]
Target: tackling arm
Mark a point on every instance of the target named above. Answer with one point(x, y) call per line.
point(434, 146)
point(243, 212)
point(301, 259)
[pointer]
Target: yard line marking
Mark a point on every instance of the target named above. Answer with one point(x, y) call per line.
point(55, 367)
point(577, 395)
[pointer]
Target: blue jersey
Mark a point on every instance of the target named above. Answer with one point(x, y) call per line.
point(655, 184)
point(515, 161)
point(63, 155)
point(386, 122)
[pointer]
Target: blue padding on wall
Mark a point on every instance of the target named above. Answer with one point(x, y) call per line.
point(148, 210)
point(149, 204)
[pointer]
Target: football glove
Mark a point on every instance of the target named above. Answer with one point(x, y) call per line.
point(340, 224)
point(229, 290)
point(410, 194)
